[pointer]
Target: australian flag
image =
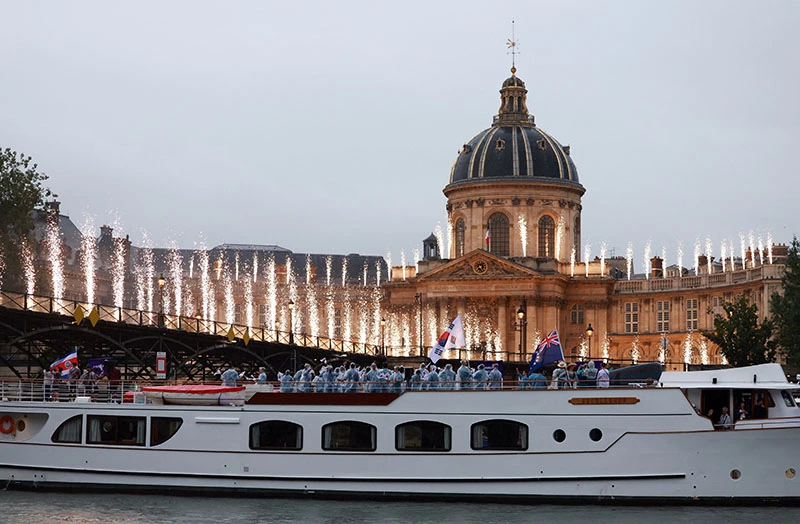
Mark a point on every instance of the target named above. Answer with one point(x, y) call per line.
point(548, 351)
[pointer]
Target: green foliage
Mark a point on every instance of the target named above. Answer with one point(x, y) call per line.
point(22, 192)
point(785, 307)
point(743, 341)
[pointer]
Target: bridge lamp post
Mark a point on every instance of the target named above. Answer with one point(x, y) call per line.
point(418, 296)
point(522, 327)
point(589, 333)
point(383, 336)
point(161, 283)
point(291, 336)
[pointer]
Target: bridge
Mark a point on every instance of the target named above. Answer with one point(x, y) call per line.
point(37, 330)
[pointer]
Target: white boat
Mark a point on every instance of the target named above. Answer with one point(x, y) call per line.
point(623, 444)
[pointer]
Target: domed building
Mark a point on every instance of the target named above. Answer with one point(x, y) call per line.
point(513, 268)
point(510, 174)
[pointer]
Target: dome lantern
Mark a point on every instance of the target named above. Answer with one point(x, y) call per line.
point(513, 95)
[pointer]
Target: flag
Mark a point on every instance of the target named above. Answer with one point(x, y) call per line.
point(64, 364)
point(548, 351)
point(488, 235)
point(452, 337)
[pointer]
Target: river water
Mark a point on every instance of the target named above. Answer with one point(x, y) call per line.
point(18, 507)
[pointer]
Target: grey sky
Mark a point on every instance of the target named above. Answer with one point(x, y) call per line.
point(331, 127)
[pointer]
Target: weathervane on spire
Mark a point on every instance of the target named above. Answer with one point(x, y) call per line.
point(512, 44)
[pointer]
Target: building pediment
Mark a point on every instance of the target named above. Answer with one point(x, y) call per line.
point(476, 265)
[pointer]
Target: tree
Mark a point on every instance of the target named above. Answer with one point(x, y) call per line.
point(22, 193)
point(743, 341)
point(785, 307)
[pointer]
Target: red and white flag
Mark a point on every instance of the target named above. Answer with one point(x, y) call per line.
point(487, 236)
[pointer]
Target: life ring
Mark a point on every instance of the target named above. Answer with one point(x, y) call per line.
point(6, 424)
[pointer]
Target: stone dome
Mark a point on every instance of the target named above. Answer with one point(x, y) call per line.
point(513, 148)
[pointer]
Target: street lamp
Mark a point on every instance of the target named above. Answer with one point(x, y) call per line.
point(291, 313)
point(383, 337)
point(522, 323)
point(161, 283)
point(589, 333)
point(418, 296)
point(291, 336)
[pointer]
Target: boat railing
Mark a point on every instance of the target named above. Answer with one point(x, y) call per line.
point(31, 390)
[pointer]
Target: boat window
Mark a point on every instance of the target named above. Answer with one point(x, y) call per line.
point(349, 436)
point(499, 434)
point(276, 434)
point(69, 431)
point(787, 399)
point(163, 428)
point(423, 435)
point(116, 431)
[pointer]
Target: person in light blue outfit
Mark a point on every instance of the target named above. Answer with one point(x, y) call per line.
point(305, 379)
point(537, 381)
point(495, 378)
point(447, 378)
point(351, 379)
point(416, 380)
point(262, 376)
point(286, 382)
point(230, 377)
point(371, 379)
point(298, 376)
point(384, 376)
point(464, 376)
point(328, 379)
point(480, 377)
point(587, 376)
point(433, 378)
point(398, 380)
point(522, 379)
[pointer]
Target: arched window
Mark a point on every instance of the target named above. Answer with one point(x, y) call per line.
point(498, 235)
point(349, 436)
point(422, 435)
point(576, 238)
point(499, 434)
point(460, 233)
point(576, 314)
point(276, 434)
point(547, 236)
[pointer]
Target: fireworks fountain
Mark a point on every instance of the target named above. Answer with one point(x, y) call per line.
point(89, 256)
point(587, 254)
point(55, 257)
point(679, 257)
point(709, 254)
point(522, 222)
point(572, 262)
point(629, 259)
point(28, 267)
point(603, 249)
point(696, 257)
point(438, 232)
point(403, 262)
point(687, 348)
point(175, 280)
point(647, 259)
point(560, 236)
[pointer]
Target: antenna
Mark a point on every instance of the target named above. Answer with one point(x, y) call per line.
point(512, 45)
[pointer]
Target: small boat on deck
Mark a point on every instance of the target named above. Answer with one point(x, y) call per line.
point(196, 395)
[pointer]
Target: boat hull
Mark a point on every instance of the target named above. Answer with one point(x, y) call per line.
point(656, 450)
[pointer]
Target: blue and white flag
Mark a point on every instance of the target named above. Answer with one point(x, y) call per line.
point(452, 337)
point(548, 351)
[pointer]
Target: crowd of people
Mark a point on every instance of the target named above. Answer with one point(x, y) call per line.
point(350, 378)
point(74, 382)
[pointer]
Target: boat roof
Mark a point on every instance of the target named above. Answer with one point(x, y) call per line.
point(761, 376)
